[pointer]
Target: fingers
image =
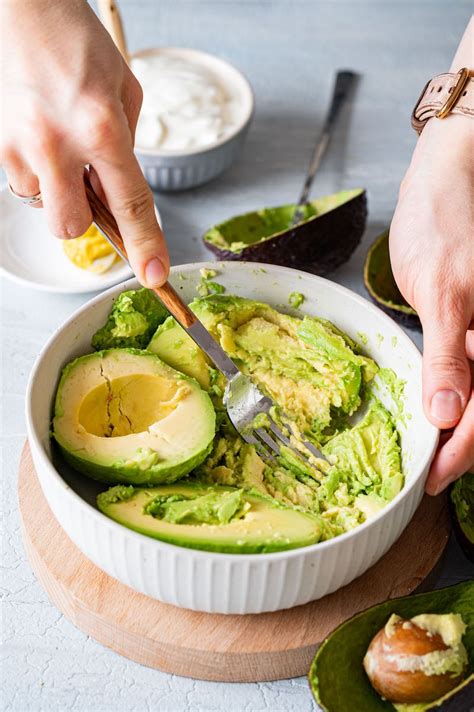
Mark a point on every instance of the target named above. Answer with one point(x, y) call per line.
point(446, 371)
point(21, 178)
point(470, 344)
point(455, 456)
point(132, 97)
point(64, 197)
point(131, 201)
point(62, 189)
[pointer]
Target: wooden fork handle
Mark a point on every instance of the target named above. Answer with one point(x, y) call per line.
point(104, 219)
point(175, 305)
point(110, 17)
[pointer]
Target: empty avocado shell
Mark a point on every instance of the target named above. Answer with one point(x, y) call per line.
point(337, 677)
point(380, 283)
point(462, 509)
point(327, 236)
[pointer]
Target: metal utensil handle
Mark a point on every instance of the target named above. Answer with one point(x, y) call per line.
point(104, 220)
point(342, 87)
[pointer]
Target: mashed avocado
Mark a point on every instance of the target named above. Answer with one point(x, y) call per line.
point(210, 508)
point(316, 375)
point(307, 366)
point(213, 518)
point(118, 418)
point(133, 320)
point(295, 299)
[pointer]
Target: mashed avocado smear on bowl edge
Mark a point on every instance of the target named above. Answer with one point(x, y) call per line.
point(314, 373)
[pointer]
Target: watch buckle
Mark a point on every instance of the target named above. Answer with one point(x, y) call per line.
point(462, 78)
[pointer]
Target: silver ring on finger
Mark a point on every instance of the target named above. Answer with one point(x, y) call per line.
point(26, 199)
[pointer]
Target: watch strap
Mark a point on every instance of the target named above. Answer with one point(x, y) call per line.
point(443, 95)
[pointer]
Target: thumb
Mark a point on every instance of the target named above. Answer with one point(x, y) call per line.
point(446, 371)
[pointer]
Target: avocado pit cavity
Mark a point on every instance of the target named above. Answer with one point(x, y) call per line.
point(123, 416)
point(128, 404)
point(328, 232)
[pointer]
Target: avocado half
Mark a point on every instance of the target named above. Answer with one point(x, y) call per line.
point(337, 677)
point(213, 518)
point(462, 509)
point(122, 415)
point(380, 284)
point(327, 236)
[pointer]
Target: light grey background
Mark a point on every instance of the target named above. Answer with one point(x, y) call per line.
point(289, 51)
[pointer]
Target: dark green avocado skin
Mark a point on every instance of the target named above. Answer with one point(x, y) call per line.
point(465, 542)
point(382, 288)
point(337, 678)
point(318, 246)
point(410, 321)
point(462, 701)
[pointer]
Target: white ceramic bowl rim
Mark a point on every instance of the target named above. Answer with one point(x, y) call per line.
point(353, 533)
point(240, 78)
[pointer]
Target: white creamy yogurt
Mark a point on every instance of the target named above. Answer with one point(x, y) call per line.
point(185, 107)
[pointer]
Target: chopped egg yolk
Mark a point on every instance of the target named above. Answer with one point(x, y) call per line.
point(90, 251)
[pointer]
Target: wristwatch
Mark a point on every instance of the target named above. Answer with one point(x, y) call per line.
point(443, 95)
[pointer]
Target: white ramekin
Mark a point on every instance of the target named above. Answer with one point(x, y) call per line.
point(226, 583)
point(179, 170)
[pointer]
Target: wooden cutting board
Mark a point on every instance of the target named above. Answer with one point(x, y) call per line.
point(268, 646)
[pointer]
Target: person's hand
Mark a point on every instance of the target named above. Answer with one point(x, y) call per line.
point(432, 254)
point(68, 100)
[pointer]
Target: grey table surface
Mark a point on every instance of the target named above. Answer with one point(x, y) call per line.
point(289, 51)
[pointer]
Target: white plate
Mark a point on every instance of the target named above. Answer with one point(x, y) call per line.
point(30, 255)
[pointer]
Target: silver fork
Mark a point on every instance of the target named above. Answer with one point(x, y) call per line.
point(343, 85)
point(244, 401)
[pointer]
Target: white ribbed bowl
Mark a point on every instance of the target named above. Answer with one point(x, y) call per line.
point(226, 583)
point(180, 170)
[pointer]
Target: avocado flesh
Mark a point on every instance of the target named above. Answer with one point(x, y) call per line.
point(330, 231)
point(343, 499)
point(312, 370)
point(337, 677)
point(171, 343)
point(243, 230)
point(382, 287)
point(305, 366)
point(269, 346)
point(122, 415)
point(462, 499)
point(214, 518)
point(134, 317)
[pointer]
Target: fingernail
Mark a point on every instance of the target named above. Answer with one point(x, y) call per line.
point(154, 272)
point(434, 490)
point(446, 405)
